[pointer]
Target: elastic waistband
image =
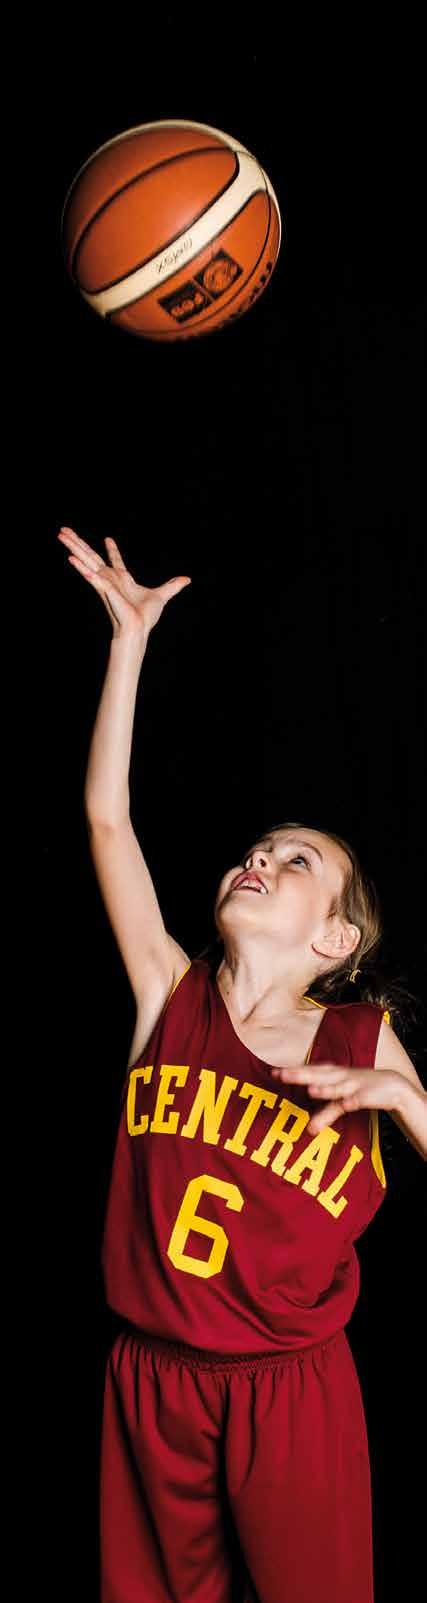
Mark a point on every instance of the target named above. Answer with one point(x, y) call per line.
point(204, 1358)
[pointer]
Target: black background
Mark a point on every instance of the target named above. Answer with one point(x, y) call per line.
point(280, 464)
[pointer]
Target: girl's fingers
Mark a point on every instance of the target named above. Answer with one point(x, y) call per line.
point(331, 1088)
point(114, 554)
point(100, 586)
point(90, 561)
point(69, 537)
point(328, 1115)
point(87, 572)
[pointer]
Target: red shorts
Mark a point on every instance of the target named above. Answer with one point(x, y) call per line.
point(234, 1480)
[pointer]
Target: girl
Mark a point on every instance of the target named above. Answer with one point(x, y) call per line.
point(234, 1462)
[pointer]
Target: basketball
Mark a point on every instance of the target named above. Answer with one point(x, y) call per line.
point(171, 230)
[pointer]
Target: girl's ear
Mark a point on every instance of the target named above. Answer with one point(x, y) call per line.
point(338, 942)
point(354, 937)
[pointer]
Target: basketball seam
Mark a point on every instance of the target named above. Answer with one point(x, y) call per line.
point(138, 178)
point(144, 127)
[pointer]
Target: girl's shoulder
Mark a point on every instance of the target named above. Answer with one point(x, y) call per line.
point(354, 1028)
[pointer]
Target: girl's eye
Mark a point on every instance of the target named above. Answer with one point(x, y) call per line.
point(301, 858)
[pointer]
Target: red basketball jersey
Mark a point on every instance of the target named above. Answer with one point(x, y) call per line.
point(227, 1225)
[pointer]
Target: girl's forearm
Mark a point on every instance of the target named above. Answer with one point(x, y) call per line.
point(410, 1113)
point(106, 791)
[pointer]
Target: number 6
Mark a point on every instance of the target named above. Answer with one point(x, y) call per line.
point(188, 1220)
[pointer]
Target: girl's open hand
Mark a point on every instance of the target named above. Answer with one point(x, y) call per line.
point(348, 1088)
point(132, 608)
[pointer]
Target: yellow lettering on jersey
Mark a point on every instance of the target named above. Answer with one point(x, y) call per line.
point(286, 1138)
point(326, 1197)
point(169, 1126)
point(188, 1220)
point(137, 1128)
point(258, 1098)
point(205, 1107)
point(207, 1111)
point(314, 1157)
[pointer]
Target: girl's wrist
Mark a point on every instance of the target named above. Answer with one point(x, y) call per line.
point(130, 644)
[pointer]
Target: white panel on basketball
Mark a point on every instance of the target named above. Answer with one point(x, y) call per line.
point(248, 181)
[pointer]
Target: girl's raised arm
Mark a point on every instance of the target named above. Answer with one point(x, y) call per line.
point(152, 958)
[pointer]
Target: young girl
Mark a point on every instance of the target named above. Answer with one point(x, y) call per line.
point(234, 1462)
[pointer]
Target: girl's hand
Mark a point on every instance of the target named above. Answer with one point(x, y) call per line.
point(349, 1088)
point(132, 608)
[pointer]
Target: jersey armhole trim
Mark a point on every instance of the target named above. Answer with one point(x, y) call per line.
point(178, 981)
point(376, 1158)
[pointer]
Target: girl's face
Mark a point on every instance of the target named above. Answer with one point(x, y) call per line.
point(303, 872)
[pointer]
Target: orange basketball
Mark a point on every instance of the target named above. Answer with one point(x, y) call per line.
point(170, 230)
